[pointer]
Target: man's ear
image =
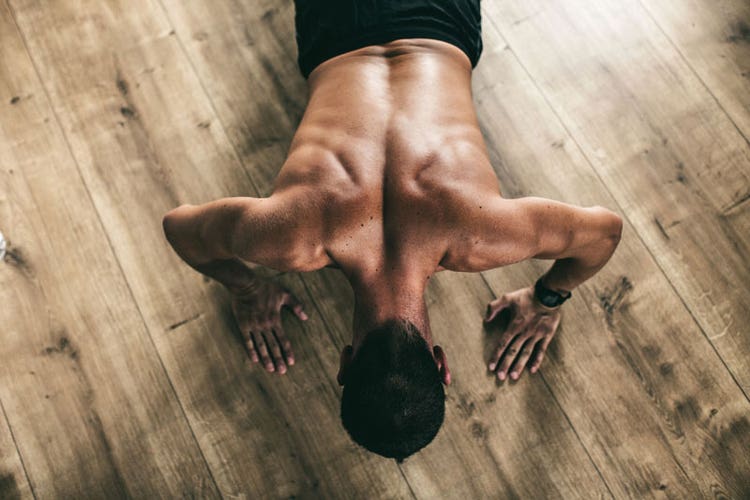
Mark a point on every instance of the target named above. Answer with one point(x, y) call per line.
point(442, 364)
point(346, 359)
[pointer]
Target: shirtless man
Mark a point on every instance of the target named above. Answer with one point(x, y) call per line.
point(388, 179)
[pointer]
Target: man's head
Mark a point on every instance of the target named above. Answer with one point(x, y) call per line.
point(393, 402)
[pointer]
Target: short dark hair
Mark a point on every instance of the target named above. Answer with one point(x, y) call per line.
point(393, 402)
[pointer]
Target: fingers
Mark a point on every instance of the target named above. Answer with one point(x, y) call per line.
point(502, 344)
point(523, 358)
point(495, 307)
point(515, 328)
point(296, 306)
point(250, 344)
point(284, 342)
point(266, 346)
point(539, 355)
point(275, 349)
point(260, 343)
point(510, 355)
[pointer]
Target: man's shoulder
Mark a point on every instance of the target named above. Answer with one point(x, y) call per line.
point(283, 231)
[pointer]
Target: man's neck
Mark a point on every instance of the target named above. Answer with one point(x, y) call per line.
point(380, 299)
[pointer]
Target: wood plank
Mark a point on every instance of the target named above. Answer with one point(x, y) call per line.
point(652, 402)
point(13, 481)
point(672, 159)
point(477, 453)
point(146, 140)
point(713, 37)
point(246, 59)
point(85, 393)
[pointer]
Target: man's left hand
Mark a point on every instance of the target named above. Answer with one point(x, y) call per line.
point(531, 325)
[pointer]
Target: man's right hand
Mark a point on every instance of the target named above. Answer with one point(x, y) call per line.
point(257, 310)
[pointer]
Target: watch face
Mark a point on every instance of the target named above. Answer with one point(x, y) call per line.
point(549, 300)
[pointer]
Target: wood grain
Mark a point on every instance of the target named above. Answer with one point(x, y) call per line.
point(121, 368)
point(475, 453)
point(83, 388)
point(652, 402)
point(146, 140)
point(714, 39)
point(14, 484)
point(671, 158)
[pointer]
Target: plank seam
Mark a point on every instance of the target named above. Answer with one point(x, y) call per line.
point(565, 414)
point(624, 214)
point(15, 443)
point(109, 242)
point(206, 94)
point(692, 70)
point(238, 159)
point(411, 490)
point(257, 192)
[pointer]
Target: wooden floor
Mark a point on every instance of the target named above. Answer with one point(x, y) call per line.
point(121, 372)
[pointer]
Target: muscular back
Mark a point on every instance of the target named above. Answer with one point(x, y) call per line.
point(392, 153)
point(388, 174)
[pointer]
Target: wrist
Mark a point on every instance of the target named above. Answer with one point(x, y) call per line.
point(549, 298)
point(248, 288)
point(551, 285)
point(231, 273)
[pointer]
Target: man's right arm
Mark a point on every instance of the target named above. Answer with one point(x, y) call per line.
point(216, 237)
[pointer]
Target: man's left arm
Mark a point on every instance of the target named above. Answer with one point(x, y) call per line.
point(581, 240)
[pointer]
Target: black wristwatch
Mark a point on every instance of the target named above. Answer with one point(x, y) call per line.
point(547, 297)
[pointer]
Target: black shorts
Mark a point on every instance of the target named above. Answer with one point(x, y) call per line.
point(327, 28)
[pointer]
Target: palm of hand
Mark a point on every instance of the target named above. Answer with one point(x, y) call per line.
point(528, 334)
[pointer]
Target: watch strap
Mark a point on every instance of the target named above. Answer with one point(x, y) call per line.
point(548, 297)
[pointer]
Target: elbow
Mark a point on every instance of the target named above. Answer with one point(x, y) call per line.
point(167, 225)
point(169, 222)
point(615, 232)
point(612, 227)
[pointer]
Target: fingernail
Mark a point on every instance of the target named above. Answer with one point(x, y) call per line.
point(291, 361)
point(501, 375)
point(514, 375)
point(492, 366)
